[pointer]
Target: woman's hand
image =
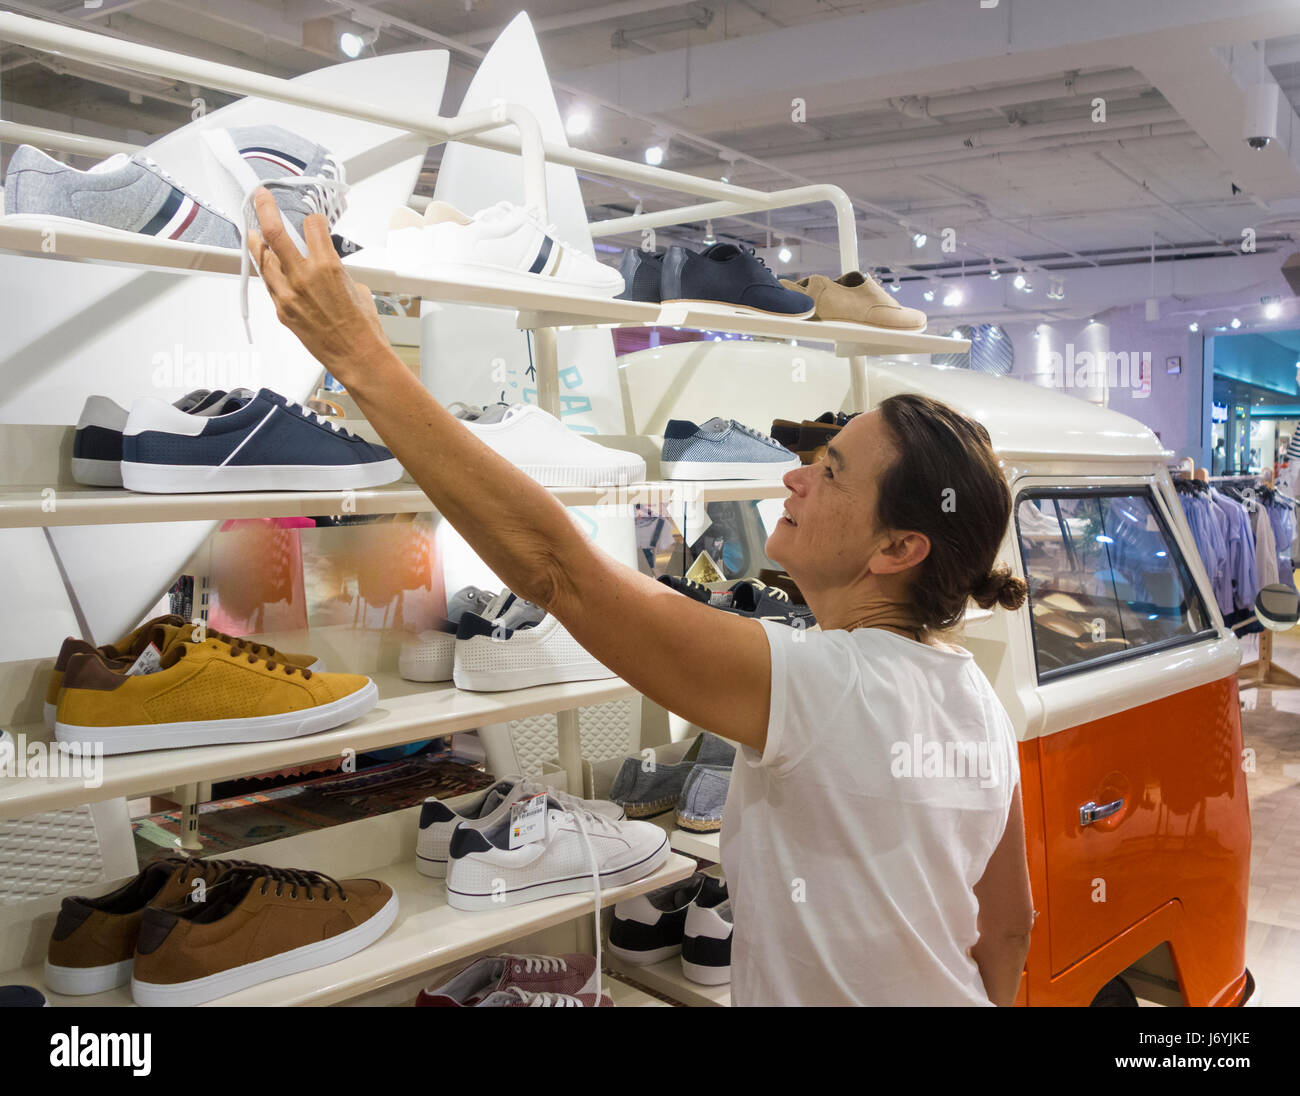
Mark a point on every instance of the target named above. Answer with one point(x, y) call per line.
point(333, 316)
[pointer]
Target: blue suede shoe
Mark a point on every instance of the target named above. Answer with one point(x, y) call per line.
point(728, 275)
point(641, 272)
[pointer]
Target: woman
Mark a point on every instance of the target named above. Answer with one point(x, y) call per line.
point(873, 839)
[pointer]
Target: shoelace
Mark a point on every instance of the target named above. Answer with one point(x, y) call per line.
point(755, 434)
point(545, 1000)
point(581, 816)
point(167, 177)
point(547, 964)
point(324, 420)
point(271, 664)
point(293, 878)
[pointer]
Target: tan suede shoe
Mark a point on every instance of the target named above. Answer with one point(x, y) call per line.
point(256, 924)
point(93, 943)
point(857, 298)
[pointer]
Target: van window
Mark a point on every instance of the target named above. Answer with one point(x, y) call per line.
point(1106, 580)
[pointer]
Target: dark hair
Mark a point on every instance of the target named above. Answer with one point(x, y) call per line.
point(946, 483)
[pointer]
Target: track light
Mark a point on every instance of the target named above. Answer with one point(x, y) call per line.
point(709, 239)
point(1019, 281)
point(578, 122)
point(1236, 323)
point(1056, 292)
point(918, 239)
point(928, 294)
point(895, 285)
point(1193, 326)
point(1272, 310)
point(351, 44)
point(784, 254)
point(995, 331)
point(994, 273)
point(654, 155)
point(954, 297)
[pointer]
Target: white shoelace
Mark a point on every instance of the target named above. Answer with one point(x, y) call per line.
point(582, 816)
point(755, 434)
point(308, 413)
point(545, 964)
point(546, 1000)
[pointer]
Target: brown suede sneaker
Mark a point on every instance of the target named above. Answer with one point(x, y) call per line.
point(857, 298)
point(257, 923)
point(93, 943)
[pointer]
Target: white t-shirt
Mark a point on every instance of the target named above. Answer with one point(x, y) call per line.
point(851, 846)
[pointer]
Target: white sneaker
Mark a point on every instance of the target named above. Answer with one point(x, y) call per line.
point(504, 244)
point(548, 451)
point(581, 851)
point(492, 655)
point(429, 656)
point(706, 944)
point(438, 821)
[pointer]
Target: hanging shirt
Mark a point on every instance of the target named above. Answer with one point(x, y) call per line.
point(1240, 542)
point(1265, 548)
point(850, 852)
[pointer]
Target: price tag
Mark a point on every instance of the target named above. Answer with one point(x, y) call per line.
point(528, 820)
point(149, 662)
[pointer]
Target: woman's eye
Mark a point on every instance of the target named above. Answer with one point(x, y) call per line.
point(827, 469)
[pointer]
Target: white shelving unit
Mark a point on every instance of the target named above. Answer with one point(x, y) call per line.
point(667, 978)
point(428, 934)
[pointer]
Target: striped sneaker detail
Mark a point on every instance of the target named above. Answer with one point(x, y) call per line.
point(286, 163)
point(174, 216)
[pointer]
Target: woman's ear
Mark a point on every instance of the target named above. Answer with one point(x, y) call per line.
point(901, 552)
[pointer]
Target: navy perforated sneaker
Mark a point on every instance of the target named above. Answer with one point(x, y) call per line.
point(268, 443)
point(721, 449)
point(97, 443)
point(729, 275)
point(641, 272)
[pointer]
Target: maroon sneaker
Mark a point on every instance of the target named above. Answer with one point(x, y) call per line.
point(564, 975)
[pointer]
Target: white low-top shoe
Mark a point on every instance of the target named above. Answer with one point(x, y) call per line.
point(504, 244)
point(548, 451)
point(430, 655)
point(492, 656)
point(580, 851)
point(438, 821)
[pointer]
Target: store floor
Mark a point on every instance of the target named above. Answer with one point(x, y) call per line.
point(1270, 724)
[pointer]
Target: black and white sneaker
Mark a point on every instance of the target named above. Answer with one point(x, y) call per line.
point(649, 928)
point(706, 939)
point(97, 443)
point(267, 444)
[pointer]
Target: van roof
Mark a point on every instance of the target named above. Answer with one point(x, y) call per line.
point(1023, 419)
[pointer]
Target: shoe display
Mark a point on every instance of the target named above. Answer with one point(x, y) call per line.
point(570, 975)
point(746, 598)
point(699, 807)
point(93, 943)
point(430, 656)
point(518, 650)
point(504, 244)
point(267, 444)
point(580, 851)
point(648, 928)
point(438, 821)
point(257, 923)
point(202, 694)
point(548, 451)
point(97, 443)
point(128, 195)
point(644, 794)
point(725, 274)
point(706, 939)
point(856, 298)
point(809, 438)
point(122, 653)
point(641, 272)
point(722, 449)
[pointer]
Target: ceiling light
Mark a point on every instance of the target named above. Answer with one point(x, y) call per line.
point(895, 286)
point(994, 274)
point(1037, 332)
point(918, 239)
point(1019, 282)
point(784, 254)
point(1092, 319)
point(1236, 323)
point(995, 331)
point(1221, 327)
point(709, 239)
point(1272, 310)
point(726, 178)
point(351, 44)
point(954, 297)
point(654, 155)
point(1193, 326)
point(928, 294)
point(578, 122)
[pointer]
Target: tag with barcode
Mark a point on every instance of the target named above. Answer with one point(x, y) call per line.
point(149, 662)
point(528, 820)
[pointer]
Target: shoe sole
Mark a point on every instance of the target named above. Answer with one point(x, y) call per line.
point(308, 957)
point(91, 228)
point(576, 884)
point(726, 306)
point(97, 473)
point(215, 732)
point(692, 825)
point(82, 981)
point(561, 475)
point(419, 666)
point(706, 976)
point(496, 681)
point(645, 958)
point(167, 479)
point(719, 470)
point(430, 866)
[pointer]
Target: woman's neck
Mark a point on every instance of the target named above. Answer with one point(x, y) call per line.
point(864, 606)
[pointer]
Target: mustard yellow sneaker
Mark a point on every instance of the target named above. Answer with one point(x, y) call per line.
point(203, 694)
point(127, 649)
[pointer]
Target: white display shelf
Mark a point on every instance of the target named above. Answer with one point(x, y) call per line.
point(703, 845)
point(625, 996)
point(537, 308)
point(407, 712)
point(428, 934)
point(667, 978)
point(35, 507)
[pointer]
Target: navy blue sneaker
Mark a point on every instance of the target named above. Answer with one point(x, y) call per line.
point(22, 997)
point(266, 443)
point(727, 274)
point(641, 272)
point(97, 443)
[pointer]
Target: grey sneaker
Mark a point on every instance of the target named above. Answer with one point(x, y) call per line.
point(644, 794)
point(699, 809)
point(722, 449)
point(129, 194)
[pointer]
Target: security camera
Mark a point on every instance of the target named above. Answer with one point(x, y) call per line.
point(1261, 116)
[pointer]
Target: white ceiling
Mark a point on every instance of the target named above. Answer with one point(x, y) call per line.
point(931, 114)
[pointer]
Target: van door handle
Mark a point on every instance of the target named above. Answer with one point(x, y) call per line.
point(1090, 812)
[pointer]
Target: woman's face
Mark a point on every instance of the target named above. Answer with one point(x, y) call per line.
point(827, 536)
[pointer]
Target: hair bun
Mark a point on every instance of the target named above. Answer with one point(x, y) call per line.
point(1001, 587)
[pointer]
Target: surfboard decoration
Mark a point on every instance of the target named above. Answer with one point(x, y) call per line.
point(475, 354)
point(127, 333)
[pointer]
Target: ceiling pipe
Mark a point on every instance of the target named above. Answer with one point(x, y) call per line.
point(582, 17)
point(1072, 85)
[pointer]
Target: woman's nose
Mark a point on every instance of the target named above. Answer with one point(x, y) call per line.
point(795, 479)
